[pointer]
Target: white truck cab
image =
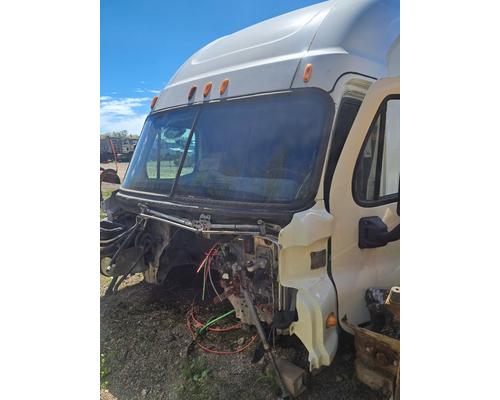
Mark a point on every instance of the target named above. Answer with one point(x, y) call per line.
point(277, 146)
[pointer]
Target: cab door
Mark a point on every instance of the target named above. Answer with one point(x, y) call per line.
point(364, 202)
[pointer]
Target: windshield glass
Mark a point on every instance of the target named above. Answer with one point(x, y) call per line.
point(260, 149)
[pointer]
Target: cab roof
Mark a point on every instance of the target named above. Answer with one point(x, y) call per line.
point(335, 36)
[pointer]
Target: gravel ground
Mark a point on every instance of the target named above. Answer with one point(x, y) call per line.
point(147, 353)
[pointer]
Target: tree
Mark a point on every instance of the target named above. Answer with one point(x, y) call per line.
point(119, 135)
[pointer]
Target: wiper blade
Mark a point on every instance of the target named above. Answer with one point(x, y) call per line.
point(184, 153)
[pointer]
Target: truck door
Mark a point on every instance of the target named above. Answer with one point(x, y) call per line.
point(364, 202)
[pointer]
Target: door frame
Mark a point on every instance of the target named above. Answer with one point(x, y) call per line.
point(353, 269)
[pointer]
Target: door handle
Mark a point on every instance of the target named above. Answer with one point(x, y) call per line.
point(373, 233)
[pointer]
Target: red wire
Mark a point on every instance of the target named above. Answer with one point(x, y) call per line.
point(198, 324)
point(190, 313)
point(206, 257)
point(228, 353)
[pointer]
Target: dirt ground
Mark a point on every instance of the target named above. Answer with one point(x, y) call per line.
point(147, 353)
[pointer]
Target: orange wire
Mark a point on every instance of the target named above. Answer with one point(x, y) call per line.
point(198, 324)
point(190, 313)
point(206, 257)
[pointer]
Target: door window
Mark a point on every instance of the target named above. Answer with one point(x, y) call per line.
point(376, 177)
point(348, 110)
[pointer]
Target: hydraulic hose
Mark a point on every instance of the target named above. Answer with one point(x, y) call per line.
point(123, 277)
point(113, 282)
point(125, 242)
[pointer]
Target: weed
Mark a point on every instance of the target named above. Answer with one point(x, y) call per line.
point(104, 372)
point(269, 379)
point(195, 381)
point(105, 194)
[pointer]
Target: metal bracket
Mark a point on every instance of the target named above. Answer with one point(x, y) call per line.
point(203, 223)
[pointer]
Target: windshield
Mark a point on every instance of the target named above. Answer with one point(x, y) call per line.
point(261, 149)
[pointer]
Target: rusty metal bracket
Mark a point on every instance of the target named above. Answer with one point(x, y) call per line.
point(377, 359)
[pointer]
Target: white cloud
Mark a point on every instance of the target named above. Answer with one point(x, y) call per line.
point(127, 113)
point(139, 90)
point(124, 106)
point(132, 125)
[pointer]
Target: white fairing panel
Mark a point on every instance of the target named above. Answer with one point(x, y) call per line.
point(261, 58)
point(337, 37)
point(355, 36)
point(308, 232)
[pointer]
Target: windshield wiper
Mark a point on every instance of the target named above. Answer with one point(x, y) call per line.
point(184, 153)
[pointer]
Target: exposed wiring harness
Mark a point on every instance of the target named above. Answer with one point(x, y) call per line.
point(115, 288)
point(124, 242)
point(202, 327)
point(206, 265)
point(213, 321)
point(197, 328)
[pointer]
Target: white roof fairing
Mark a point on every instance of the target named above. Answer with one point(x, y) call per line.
point(336, 36)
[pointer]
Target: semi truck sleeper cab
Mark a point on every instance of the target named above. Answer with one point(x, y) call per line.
point(274, 154)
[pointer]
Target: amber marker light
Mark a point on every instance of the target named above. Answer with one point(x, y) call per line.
point(307, 72)
point(223, 86)
point(207, 89)
point(191, 93)
point(331, 320)
point(153, 101)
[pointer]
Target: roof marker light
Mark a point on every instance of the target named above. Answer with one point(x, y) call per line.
point(153, 102)
point(223, 86)
point(207, 89)
point(307, 72)
point(192, 91)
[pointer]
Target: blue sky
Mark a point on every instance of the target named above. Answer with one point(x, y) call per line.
point(144, 42)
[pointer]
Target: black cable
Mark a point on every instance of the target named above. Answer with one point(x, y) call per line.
point(123, 277)
point(125, 242)
point(112, 284)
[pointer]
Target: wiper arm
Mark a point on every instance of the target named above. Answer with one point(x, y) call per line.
point(152, 214)
point(184, 153)
point(203, 224)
